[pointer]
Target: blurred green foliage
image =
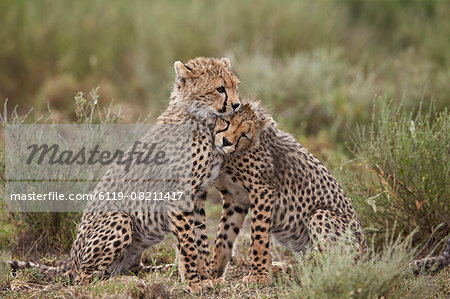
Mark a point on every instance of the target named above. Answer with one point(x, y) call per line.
point(318, 64)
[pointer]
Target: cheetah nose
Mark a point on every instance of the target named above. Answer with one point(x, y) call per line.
point(226, 142)
point(235, 106)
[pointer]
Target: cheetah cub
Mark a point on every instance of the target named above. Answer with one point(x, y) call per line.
point(290, 193)
point(111, 243)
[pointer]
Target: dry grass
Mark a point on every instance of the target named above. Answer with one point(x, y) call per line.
point(333, 275)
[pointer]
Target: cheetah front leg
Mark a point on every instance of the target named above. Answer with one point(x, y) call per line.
point(261, 198)
point(184, 230)
point(201, 238)
point(233, 216)
point(201, 242)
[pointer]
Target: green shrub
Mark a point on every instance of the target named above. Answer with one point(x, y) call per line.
point(407, 154)
point(335, 274)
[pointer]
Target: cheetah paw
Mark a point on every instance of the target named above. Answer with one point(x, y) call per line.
point(278, 267)
point(194, 288)
point(259, 279)
point(198, 287)
point(216, 273)
point(204, 274)
point(218, 281)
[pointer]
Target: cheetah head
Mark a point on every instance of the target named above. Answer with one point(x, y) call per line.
point(240, 131)
point(206, 86)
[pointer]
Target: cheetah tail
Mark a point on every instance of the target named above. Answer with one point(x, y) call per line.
point(447, 250)
point(50, 271)
point(435, 263)
point(161, 268)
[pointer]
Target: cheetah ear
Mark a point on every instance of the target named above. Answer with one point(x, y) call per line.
point(182, 70)
point(226, 62)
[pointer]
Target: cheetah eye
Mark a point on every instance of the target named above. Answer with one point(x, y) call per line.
point(245, 136)
point(220, 89)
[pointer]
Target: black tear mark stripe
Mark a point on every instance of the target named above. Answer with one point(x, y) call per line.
point(224, 107)
point(239, 139)
point(228, 125)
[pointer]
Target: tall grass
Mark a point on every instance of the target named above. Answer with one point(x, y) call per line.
point(33, 233)
point(406, 156)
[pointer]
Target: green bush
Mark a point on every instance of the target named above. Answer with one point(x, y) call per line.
point(335, 274)
point(407, 154)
